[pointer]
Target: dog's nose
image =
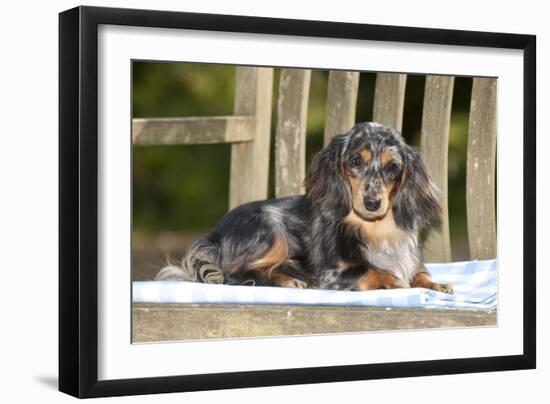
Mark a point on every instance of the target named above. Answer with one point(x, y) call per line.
point(372, 204)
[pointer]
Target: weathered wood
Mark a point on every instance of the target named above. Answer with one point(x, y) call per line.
point(193, 130)
point(434, 147)
point(250, 160)
point(389, 99)
point(342, 92)
point(480, 169)
point(173, 322)
point(290, 137)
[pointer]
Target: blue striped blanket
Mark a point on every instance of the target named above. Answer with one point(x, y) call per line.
point(474, 284)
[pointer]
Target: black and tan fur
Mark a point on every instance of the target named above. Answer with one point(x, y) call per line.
point(369, 195)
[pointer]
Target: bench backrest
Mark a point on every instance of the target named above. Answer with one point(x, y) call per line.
point(249, 132)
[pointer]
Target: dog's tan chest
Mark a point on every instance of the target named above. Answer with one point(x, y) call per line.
point(377, 232)
point(388, 247)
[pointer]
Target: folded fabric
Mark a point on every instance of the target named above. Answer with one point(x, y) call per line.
point(474, 284)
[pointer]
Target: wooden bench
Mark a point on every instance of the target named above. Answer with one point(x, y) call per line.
point(249, 131)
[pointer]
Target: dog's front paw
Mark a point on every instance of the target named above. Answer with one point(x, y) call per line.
point(442, 287)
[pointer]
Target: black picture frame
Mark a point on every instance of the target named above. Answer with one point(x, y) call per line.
point(78, 200)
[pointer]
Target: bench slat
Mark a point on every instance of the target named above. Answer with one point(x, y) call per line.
point(389, 99)
point(192, 130)
point(434, 146)
point(342, 92)
point(249, 171)
point(172, 322)
point(480, 170)
point(290, 137)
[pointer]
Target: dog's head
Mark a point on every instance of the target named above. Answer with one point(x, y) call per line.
point(369, 171)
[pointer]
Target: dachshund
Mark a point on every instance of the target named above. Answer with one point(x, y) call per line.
point(357, 228)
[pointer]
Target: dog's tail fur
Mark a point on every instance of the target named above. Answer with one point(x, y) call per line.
point(200, 264)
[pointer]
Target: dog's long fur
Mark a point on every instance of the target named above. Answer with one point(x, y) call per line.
point(357, 228)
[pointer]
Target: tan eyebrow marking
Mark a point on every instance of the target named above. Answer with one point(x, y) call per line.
point(366, 154)
point(387, 156)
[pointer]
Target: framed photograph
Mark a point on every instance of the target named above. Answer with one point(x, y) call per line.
point(296, 201)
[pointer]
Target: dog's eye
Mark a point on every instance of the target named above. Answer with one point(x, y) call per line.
point(392, 170)
point(356, 161)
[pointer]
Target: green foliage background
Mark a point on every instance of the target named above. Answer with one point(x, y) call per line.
point(185, 188)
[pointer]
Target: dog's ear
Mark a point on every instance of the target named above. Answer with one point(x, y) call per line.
point(326, 185)
point(417, 200)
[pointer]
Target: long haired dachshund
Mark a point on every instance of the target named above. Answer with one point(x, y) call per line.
point(357, 228)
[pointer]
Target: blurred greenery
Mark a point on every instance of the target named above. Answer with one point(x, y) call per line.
point(185, 188)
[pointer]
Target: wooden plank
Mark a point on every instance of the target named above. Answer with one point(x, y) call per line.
point(480, 169)
point(193, 130)
point(434, 147)
point(290, 137)
point(250, 160)
point(341, 102)
point(389, 99)
point(173, 322)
